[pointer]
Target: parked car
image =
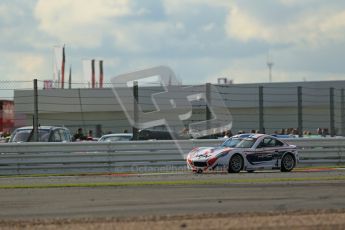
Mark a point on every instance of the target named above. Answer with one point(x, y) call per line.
point(149, 134)
point(116, 137)
point(248, 152)
point(45, 134)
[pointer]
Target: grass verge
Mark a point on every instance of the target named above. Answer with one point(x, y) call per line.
point(177, 182)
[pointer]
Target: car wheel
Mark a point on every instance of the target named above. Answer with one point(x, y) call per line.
point(198, 171)
point(288, 163)
point(235, 164)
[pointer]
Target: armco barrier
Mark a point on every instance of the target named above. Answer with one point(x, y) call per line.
point(136, 156)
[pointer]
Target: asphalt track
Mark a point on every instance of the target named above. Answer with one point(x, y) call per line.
point(128, 195)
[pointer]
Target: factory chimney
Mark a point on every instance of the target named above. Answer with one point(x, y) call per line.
point(101, 74)
point(93, 79)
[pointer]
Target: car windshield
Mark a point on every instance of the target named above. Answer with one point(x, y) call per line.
point(25, 135)
point(231, 142)
point(246, 143)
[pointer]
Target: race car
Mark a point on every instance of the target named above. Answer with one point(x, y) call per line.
point(247, 152)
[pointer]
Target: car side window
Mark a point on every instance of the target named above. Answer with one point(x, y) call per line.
point(56, 136)
point(270, 142)
point(63, 135)
point(262, 144)
point(267, 142)
point(278, 143)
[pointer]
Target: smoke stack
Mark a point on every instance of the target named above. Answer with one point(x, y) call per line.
point(93, 79)
point(70, 78)
point(63, 67)
point(100, 74)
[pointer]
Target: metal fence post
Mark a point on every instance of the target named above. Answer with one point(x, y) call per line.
point(331, 111)
point(208, 100)
point(342, 112)
point(299, 111)
point(35, 121)
point(81, 110)
point(261, 109)
point(98, 130)
point(135, 110)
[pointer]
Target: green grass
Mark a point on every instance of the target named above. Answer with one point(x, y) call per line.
point(170, 183)
point(133, 173)
point(65, 174)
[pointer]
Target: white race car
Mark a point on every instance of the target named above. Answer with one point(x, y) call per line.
point(248, 152)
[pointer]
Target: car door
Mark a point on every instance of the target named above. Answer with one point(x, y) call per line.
point(263, 155)
point(278, 151)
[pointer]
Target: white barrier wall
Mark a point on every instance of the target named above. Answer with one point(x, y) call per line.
point(137, 156)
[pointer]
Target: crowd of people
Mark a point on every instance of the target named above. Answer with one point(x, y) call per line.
point(5, 136)
point(79, 135)
point(320, 132)
point(293, 132)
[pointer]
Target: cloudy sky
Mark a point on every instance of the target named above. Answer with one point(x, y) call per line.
point(200, 40)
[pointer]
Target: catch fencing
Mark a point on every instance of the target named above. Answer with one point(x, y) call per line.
point(137, 156)
point(301, 108)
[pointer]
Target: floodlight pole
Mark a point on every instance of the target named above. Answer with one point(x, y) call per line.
point(299, 111)
point(270, 65)
point(135, 110)
point(342, 113)
point(331, 111)
point(35, 120)
point(208, 104)
point(261, 109)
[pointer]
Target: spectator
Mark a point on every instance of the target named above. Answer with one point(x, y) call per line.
point(79, 136)
point(308, 133)
point(227, 134)
point(319, 131)
point(325, 132)
point(90, 135)
point(185, 132)
point(289, 131)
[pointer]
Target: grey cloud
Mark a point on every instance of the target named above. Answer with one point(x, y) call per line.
point(153, 35)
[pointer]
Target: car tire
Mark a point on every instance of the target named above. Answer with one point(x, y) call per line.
point(198, 171)
point(235, 164)
point(288, 163)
